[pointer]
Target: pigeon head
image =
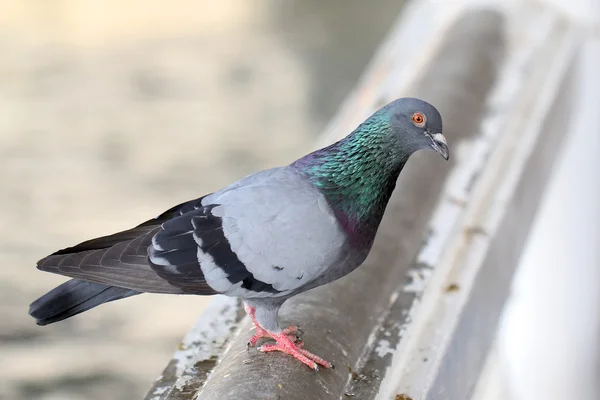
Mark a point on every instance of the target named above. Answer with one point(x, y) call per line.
point(358, 174)
point(416, 123)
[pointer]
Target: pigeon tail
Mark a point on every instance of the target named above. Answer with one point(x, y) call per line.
point(74, 297)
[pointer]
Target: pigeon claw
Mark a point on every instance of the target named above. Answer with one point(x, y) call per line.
point(296, 350)
point(290, 331)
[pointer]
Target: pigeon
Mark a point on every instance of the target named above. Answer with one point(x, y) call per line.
point(265, 238)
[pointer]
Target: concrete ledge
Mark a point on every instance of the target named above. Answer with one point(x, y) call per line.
point(199, 351)
point(454, 324)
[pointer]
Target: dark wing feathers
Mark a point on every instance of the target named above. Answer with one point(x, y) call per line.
point(174, 251)
point(119, 265)
point(130, 234)
point(184, 241)
point(107, 241)
point(121, 259)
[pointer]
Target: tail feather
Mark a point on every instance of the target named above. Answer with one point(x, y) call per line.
point(73, 297)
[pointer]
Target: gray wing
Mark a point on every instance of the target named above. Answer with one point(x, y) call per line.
point(121, 259)
point(265, 236)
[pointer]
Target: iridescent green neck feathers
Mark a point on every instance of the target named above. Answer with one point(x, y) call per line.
point(358, 174)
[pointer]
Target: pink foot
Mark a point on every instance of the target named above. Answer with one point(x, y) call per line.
point(290, 331)
point(261, 333)
point(285, 345)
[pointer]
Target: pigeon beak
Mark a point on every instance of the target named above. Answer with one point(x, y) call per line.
point(439, 144)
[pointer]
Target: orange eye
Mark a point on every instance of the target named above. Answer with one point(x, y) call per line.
point(418, 119)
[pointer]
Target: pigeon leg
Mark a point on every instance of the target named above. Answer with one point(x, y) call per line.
point(285, 345)
point(261, 333)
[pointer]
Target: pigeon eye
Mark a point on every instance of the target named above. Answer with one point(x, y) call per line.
point(419, 120)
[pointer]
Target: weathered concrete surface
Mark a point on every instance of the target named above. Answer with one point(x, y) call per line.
point(338, 320)
point(486, 213)
point(89, 92)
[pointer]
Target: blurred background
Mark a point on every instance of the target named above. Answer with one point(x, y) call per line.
point(112, 111)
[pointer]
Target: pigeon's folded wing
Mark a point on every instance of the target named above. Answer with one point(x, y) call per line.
point(263, 239)
point(120, 259)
